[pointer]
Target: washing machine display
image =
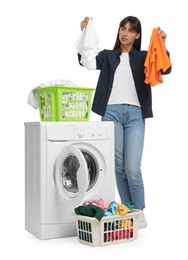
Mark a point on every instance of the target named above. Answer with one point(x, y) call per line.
point(65, 165)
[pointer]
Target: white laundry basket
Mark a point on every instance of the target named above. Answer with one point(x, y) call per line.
point(110, 230)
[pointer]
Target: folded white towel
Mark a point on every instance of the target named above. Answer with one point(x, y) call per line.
point(32, 98)
point(87, 46)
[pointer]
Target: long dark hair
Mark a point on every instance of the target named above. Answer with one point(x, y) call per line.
point(135, 25)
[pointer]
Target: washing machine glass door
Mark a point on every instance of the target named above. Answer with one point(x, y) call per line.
point(71, 175)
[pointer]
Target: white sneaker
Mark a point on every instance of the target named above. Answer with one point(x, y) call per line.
point(142, 223)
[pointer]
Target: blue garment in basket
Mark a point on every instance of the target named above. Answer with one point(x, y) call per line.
point(112, 208)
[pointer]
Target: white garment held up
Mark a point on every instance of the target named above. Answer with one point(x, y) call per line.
point(87, 46)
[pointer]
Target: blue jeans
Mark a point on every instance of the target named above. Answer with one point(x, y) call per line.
point(129, 141)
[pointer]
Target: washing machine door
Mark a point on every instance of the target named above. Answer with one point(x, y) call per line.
point(71, 175)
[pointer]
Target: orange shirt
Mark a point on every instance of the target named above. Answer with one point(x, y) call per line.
point(156, 60)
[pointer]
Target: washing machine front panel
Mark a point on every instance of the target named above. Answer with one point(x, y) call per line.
point(50, 193)
point(95, 152)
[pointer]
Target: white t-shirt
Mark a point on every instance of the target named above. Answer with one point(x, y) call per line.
point(123, 89)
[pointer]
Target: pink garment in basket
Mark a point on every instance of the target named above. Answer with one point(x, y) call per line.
point(97, 202)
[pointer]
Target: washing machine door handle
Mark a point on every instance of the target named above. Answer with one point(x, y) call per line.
point(82, 176)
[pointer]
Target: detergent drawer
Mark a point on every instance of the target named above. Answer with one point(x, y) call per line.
point(60, 132)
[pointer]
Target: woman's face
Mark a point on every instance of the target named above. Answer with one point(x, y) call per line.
point(127, 35)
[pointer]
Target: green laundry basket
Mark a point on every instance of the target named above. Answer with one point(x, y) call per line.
point(64, 103)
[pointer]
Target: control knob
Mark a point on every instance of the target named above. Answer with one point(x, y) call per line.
point(81, 134)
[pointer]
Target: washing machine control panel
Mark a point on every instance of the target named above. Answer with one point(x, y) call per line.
point(92, 133)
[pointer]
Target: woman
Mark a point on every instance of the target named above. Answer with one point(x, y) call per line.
point(123, 97)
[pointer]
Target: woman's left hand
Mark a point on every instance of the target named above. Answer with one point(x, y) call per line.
point(162, 33)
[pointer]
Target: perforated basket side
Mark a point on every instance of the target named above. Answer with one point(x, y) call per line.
point(74, 105)
point(46, 102)
point(118, 229)
point(88, 231)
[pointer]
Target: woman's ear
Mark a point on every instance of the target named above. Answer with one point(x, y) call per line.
point(138, 36)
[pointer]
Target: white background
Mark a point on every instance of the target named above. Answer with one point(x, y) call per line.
point(37, 44)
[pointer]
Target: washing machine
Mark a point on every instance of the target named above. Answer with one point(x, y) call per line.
point(66, 163)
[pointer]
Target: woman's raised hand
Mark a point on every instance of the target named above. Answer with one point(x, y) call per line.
point(84, 23)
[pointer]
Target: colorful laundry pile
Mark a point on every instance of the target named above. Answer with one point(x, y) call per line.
point(98, 208)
